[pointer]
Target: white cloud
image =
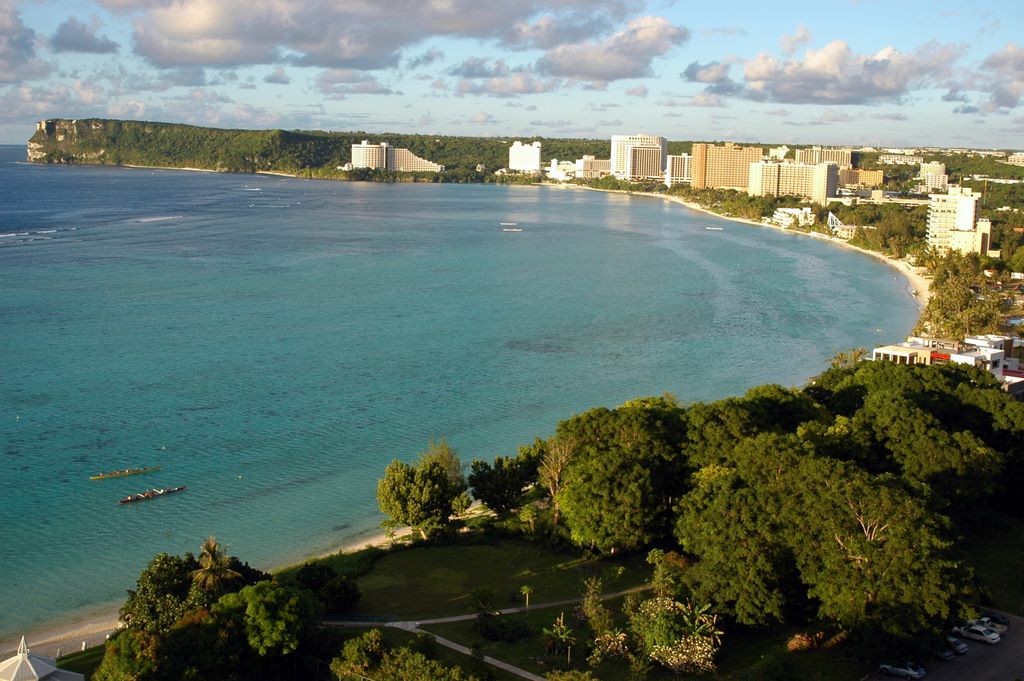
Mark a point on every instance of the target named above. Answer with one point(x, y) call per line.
point(792, 43)
point(75, 36)
point(1004, 73)
point(638, 91)
point(18, 61)
point(338, 83)
point(836, 75)
point(626, 54)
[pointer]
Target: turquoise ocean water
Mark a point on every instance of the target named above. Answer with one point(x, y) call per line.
point(272, 343)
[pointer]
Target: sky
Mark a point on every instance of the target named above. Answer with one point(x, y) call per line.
point(858, 72)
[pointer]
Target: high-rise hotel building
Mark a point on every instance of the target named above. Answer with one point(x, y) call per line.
point(636, 157)
point(383, 156)
point(816, 182)
point(524, 158)
point(678, 169)
point(841, 156)
point(951, 212)
point(722, 167)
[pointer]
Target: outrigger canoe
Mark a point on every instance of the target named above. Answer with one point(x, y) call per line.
point(150, 494)
point(123, 472)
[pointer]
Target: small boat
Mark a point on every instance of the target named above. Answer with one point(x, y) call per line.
point(511, 229)
point(509, 224)
point(150, 494)
point(713, 229)
point(123, 472)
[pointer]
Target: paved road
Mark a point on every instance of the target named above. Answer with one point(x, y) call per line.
point(983, 662)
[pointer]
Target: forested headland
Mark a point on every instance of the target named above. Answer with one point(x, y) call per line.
point(305, 153)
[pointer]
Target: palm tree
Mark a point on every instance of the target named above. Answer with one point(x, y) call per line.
point(214, 572)
point(526, 590)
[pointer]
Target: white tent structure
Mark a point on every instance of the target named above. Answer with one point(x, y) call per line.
point(25, 666)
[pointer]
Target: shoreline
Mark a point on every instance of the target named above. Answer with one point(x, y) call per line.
point(918, 285)
point(92, 627)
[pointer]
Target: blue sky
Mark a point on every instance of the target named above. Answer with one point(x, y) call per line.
point(895, 73)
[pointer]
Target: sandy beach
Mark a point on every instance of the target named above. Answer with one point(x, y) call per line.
point(93, 628)
point(919, 285)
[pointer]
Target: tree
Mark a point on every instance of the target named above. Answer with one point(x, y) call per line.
point(164, 592)
point(500, 486)
point(214, 574)
point(274, 617)
point(360, 655)
point(559, 637)
point(444, 454)
point(339, 595)
point(420, 497)
point(558, 452)
point(526, 590)
point(130, 654)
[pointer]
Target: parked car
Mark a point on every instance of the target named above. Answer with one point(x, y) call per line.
point(978, 633)
point(944, 654)
point(996, 622)
point(906, 670)
point(989, 624)
point(956, 645)
point(997, 618)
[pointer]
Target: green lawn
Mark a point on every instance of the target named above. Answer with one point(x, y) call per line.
point(997, 552)
point(436, 581)
point(84, 662)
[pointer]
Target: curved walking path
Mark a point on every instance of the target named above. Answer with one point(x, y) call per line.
point(413, 626)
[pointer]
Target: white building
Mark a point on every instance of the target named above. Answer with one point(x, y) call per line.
point(778, 153)
point(787, 217)
point(678, 169)
point(1016, 159)
point(949, 212)
point(841, 156)
point(561, 171)
point(524, 158)
point(900, 159)
point(987, 352)
point(383, 156)
point(366, 155)
point(624, 162)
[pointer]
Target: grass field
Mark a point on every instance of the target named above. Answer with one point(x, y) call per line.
point(84, 662)
point(437, 581)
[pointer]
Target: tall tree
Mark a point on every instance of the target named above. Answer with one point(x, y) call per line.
point(420, 497)
point(214, 574)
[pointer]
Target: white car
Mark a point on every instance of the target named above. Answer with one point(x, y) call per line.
point(906, 670)
point(956, 645)
point(989, 623)
point(978, 633)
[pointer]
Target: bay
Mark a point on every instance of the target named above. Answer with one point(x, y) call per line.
point(273, 343)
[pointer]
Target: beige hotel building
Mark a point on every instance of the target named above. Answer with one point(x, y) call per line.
point(722, 167)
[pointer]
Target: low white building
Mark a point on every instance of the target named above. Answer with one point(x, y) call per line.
point(788, 217)
point(988, 352)
point(561, 171)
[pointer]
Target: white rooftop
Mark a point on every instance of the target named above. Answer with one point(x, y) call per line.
point(25, 666)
